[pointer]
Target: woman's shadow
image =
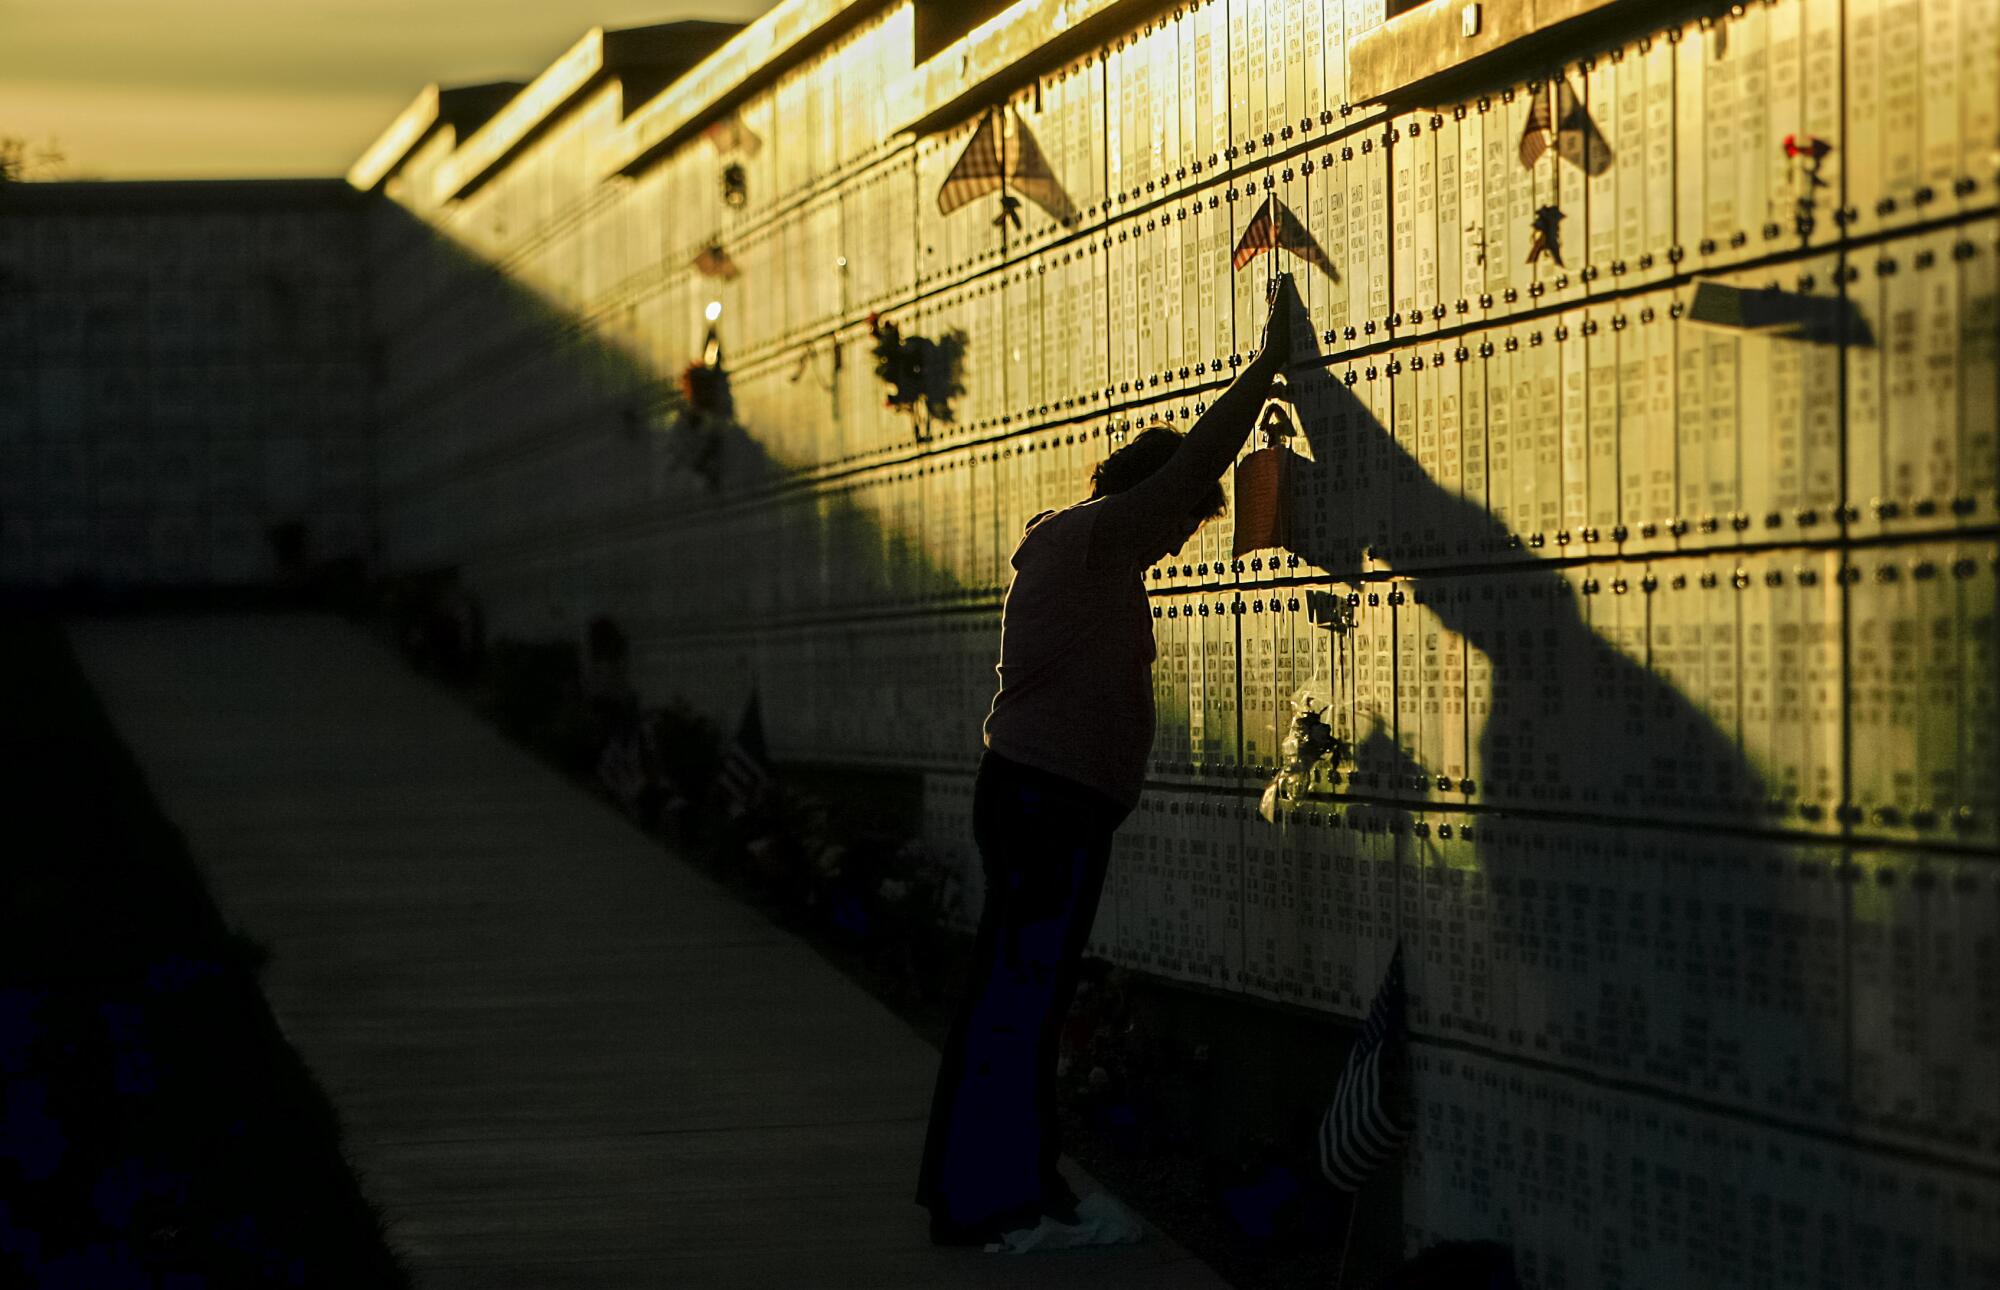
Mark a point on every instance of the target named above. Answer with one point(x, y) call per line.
point(1608, 911)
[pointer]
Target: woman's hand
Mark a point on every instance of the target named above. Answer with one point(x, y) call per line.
point(1275, 354)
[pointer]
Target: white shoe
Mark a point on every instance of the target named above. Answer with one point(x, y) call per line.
point(1100, 1221)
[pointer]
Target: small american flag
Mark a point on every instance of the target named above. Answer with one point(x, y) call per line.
point(1360, 1130)
point(729, 135)
point(1559, 116)
point(1002, 153)
point(745, 774)
point(977, 171)
point(1275, 228)
point(714, 262)
point(1535, 134)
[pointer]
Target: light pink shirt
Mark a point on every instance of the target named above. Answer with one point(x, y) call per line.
point(1076, 660)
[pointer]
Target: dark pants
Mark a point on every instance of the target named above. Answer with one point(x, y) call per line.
point(990, 1154)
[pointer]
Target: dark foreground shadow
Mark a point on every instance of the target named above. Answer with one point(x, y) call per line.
point(157, 1127)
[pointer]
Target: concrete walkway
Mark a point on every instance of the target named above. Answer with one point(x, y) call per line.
point(563, 1057)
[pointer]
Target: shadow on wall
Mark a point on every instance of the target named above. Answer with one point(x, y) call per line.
point(1709, 965)
point(548, 460)
point(1575, 724)
point(546, 464)
point(542, 462)
point(544, 458)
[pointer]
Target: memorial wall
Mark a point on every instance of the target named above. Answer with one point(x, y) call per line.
point(184, 367)
point(1641, 486)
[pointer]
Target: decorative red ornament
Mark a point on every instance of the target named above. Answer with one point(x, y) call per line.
point(1811, 147)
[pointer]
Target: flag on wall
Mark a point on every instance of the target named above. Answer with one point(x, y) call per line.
point(1028, 171)
point(714, 262)
point(1559, 114)
point(978, 170)
point(1361, 1130)
point(1535, 134)
point(745, 774)
point(729, 134)
point(1275, 228)
point(1003, 155)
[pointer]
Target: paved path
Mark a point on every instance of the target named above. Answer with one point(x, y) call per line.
point(563, 1057)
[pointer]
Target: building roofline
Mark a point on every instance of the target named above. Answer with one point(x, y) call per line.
point(409, 128)
point(675, 78)
point(648, 57)
point(460, 108)
point(750, 58)
point(1002, 54)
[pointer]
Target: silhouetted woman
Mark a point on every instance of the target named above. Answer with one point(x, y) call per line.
point(1067, 742)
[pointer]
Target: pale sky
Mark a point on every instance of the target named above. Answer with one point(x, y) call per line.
point(187, 89)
